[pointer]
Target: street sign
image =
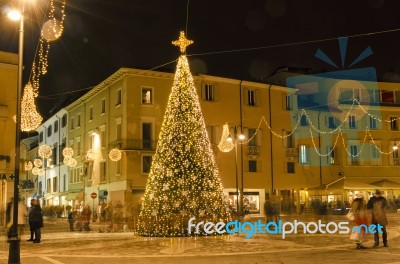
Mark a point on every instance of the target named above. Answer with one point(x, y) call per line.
point(93, 195)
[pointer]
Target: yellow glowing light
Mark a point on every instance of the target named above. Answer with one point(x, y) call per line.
point(45, 151)
point(14, 15)
point(226, 144)
point(72, 162)
point(30, 118)
point(37, 162)
point(35, 171)
point(90, 154)
point(115, 154)
point(28, 166)
point(68, 152)
point(41, 172)
point(66, 159)
point(182, 42)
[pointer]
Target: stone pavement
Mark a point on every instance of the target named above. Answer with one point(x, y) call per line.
point(93, 247)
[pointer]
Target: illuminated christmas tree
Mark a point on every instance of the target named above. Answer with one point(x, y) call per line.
point(184, 180)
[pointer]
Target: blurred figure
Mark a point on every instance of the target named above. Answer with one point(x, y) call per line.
point(71, 220)
point(21, 221)
point(359, 208)
point(31, 228)
point(36, 220)
point(378, 204)
point(85, 218)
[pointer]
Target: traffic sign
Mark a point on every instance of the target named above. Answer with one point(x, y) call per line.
point(93, 195)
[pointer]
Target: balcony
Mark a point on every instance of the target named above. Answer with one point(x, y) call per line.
point(355, 162)
point(253, 150)
point(134, 144)
point(396, 161)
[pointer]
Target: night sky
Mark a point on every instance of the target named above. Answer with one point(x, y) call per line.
point(241, 39)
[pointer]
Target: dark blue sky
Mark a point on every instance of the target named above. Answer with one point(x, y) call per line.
point(101, 36)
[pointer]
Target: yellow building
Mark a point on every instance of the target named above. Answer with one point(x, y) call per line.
point(126, 111)
point(8, 94)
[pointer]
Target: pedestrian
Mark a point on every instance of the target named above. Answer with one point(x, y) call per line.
point(86, 213)
point(21, 220)
point(31, 225)
point(71, 220)
point(377, 204)
point(8, 217)
point(360, 221)
point(36, 220)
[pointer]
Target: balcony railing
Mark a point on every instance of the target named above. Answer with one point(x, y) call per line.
point(291, 152)
point(396, 161)
point(134, 144)
point(253, 150)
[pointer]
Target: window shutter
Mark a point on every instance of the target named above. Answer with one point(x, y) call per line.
point(202, 91)
point(257, 94)
point(245, 96)
point(216, 92)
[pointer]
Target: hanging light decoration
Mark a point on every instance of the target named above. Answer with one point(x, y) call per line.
point(41, 172)
point(90, 154)
point(30, 118)
point(45, 151)
point(35, 171)
point(72, 162)
point(65, 160)
point(115, 154)
point(68, 152)
point(28, 166)
point(225, 145)
point(37, 162)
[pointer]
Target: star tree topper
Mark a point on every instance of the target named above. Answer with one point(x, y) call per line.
point(182, 42)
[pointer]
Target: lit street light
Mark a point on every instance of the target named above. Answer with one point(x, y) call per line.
point(14, 250)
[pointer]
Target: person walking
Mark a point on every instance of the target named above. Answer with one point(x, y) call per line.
point(31, 227)
point(21, 220)
point(377, 204)
point(71, 220)
point(36, 220)
point(359, 208)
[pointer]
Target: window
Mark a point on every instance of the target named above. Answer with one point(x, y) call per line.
point(118, 131)
point(372, 123)
point(48, 185)
point(211, 133)
point(103, 136)
point(78, 121)
point(290, 167)
point(55, 184)
point(56, 126)
point(91, 113)
point(354, 155)
point(41, 137)
point(331, 122)
point(304, 154)
point(119, 97)
point(252, 136)
point(78, 147)
point(251, 202)
point(103, 171)
point(103, 106)
point(303, 120)
point(49, 130)
point(146, 164)
point(208, 93)
point(375, 154)
point(251, 97)
point(349, 94)
point(146, 135)
point(287, 139)
point(252, 166)
point(62, 147)
point(387, 96)
point(72, 123)
point(147, 95)
point(64, 120)
point(396, 160)
point(118, 164)
point(352, 121)
point(330, 158)
point(288, 102)
point(54, 154)
point(393, 123)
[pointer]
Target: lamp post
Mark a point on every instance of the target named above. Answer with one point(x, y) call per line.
point(14, 250)
point(239, 194)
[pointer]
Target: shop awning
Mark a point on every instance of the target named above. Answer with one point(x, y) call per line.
point(349, 184)
point(387, 184)
point(74, 196)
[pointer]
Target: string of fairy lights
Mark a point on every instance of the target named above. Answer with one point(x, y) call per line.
point(51, 31)
point(226, 144)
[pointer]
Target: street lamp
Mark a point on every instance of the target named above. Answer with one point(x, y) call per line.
point(236, 137)
point(14, 250)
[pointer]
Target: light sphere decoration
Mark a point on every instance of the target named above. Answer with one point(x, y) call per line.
point(90, 154)
point(225, 145)
point(52, 30)
point(115, 154)
point(28, 166)
point(35, 171)
point(41, 172)
point(72, 162)
point(68, 152)
point(37, 162)
point(65, 160)
point(45, 151)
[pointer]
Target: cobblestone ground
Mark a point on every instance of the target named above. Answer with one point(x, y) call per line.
point(59, 246)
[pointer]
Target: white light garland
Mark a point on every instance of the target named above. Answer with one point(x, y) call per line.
point(225, 145)
point(68, 152)
point(37, 162)
point(72, 162)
